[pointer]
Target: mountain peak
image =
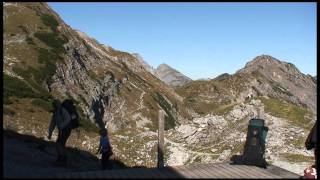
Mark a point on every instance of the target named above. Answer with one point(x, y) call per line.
point(262, 60)
point(146, 66)
point(267, 63)
point(171, 76)
point(164, 65)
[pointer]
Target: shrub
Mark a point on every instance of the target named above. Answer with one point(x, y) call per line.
point(8, 111)
point(30, 41)
point(13, 86)
point(21, 72)
point(52, 40)
point(44, 104)
point(50, 21)
point(169, 120)
point(24, 29)
point(46, 56)
point(92, 74)
point(49, 59)
point(292, 112)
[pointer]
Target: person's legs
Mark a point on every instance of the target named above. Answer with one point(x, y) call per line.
point(104, 161)
point(61, 142)
point(58, 146)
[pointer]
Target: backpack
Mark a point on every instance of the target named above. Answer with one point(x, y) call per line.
point(254, 148)
point(68, 104)
point(61, 118)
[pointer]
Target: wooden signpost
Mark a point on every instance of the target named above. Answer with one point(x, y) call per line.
point(161, 139)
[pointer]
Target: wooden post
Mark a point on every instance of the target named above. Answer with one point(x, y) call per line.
point(260, 113)
point(161, 139)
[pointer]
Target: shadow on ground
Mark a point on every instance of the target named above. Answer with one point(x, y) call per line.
point(27, 156)
point(30, 156)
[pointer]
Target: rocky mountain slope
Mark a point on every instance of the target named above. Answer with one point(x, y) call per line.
point(266, 87)
point(44, 59)
point(205, 121)
point(171, 76)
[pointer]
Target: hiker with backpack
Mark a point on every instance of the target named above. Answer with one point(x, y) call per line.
point(105, 149)
point(65, 118)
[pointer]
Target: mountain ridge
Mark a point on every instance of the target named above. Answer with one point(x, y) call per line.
point(171, 76)
point(205, 121)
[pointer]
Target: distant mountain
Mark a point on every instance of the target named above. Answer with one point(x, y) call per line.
point(205, 120)
point(171, 76)
point(267, 88)
point(263, 76)
point(285, 79)
point(144, 64)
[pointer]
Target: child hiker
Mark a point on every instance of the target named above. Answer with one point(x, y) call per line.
point(105, 149)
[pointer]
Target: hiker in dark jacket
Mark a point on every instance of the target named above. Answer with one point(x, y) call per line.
point(105, 149)
point(311, 143)
point(62, 120)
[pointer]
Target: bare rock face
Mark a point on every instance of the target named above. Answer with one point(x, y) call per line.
point(144, 64)
point(171, 76)
point(207, 119)
point(111, 88)
point(263, 76)
point(285, 79)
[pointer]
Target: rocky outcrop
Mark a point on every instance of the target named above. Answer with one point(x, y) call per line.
point(205, 122)
point(144, 64)
point(110, 88)
point(215, 138)
point(171, 76)
point(263, 76)
point(285, 79)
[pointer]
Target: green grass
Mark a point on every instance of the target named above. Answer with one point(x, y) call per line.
point(223, 109)
point(8, 111)
point(44, 104)
point(92, 75)
point(29, 75)
point(198, 159)
point(24, 29)
point(237, 148)
point(297, 158)
point(86, 124)
point(295, 114)
point(30, 41)
point(27, 88)
point(50, 21)
point(298, 142)
point(169, 120)
point(48, 59)
point(131, 149)
point(278, 88)
point(13, 86)
point(52, 40)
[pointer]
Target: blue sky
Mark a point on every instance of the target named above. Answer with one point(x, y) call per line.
point(201, 40)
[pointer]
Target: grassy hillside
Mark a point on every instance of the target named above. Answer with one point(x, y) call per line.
point(296, 115)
